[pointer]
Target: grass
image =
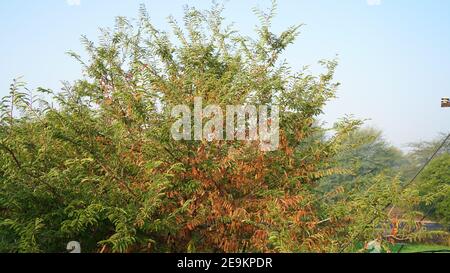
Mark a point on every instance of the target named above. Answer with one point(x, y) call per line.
point(413, 248)
point(410, 248)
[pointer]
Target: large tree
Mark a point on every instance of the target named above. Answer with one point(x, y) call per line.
point(97, 163)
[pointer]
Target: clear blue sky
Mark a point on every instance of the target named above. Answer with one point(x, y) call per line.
point(394, 54)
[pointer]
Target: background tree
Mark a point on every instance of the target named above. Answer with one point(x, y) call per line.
point(433, 184)
point(372, 155)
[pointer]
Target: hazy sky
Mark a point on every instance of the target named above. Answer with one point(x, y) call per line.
point(394, 54)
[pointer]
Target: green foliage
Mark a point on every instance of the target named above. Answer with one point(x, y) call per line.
point(434, 189)
point(25, 233)
point(431, 187)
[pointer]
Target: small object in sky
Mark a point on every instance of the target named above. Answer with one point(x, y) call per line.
point(74, 247)
point(445, 102)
